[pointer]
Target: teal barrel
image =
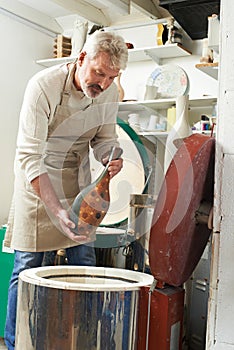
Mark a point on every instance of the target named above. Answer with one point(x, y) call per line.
point(6, 263)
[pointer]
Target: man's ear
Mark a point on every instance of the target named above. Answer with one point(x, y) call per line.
point(81, 57)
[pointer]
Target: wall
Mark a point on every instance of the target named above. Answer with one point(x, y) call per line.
point(221, 306)
point(21, 46)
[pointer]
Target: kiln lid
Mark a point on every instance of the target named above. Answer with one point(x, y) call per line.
point(177, 239)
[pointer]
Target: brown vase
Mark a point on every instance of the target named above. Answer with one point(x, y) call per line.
point(92, 203)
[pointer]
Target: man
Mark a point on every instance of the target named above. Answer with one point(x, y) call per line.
point(66, 110)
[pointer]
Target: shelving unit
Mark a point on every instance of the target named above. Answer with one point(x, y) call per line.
point(156, 53)
point(162, 104)
point(211, 69)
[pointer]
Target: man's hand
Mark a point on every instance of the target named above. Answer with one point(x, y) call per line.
point(116, 163)
point(115, 166)
point(67, 225)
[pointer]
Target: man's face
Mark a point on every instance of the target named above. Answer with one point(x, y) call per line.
point(95, 75)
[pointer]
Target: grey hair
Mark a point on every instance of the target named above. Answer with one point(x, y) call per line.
point(109, 42)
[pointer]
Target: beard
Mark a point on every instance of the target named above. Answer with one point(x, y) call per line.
point(90, 90)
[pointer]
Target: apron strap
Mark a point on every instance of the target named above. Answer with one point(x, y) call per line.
point(68, 87)
point(68, 84)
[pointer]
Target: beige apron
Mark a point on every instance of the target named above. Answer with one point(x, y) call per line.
point(31, 227)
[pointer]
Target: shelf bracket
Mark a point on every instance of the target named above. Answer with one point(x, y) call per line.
point(152, 56)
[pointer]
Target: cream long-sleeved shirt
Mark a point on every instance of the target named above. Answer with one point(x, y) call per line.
point(42, 95)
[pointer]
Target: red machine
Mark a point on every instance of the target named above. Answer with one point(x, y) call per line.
point(178, 237)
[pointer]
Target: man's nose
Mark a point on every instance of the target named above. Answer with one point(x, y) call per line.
point(105, 83)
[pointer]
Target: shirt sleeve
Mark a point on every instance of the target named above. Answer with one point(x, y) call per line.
point(33, 130)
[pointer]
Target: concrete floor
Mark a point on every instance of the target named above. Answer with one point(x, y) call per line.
point(2, 344)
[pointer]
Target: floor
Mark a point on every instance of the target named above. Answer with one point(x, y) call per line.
point(2, 344)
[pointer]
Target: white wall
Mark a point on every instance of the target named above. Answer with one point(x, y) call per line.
point(21, 46)
point(221, 306)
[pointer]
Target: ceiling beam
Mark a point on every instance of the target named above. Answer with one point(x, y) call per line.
point(120, 6)
point(84, 9)
point(148, 8)
point(30, 15)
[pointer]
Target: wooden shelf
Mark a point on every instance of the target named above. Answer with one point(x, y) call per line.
point(164, 104)
point(155, 53)
point(210, 69)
